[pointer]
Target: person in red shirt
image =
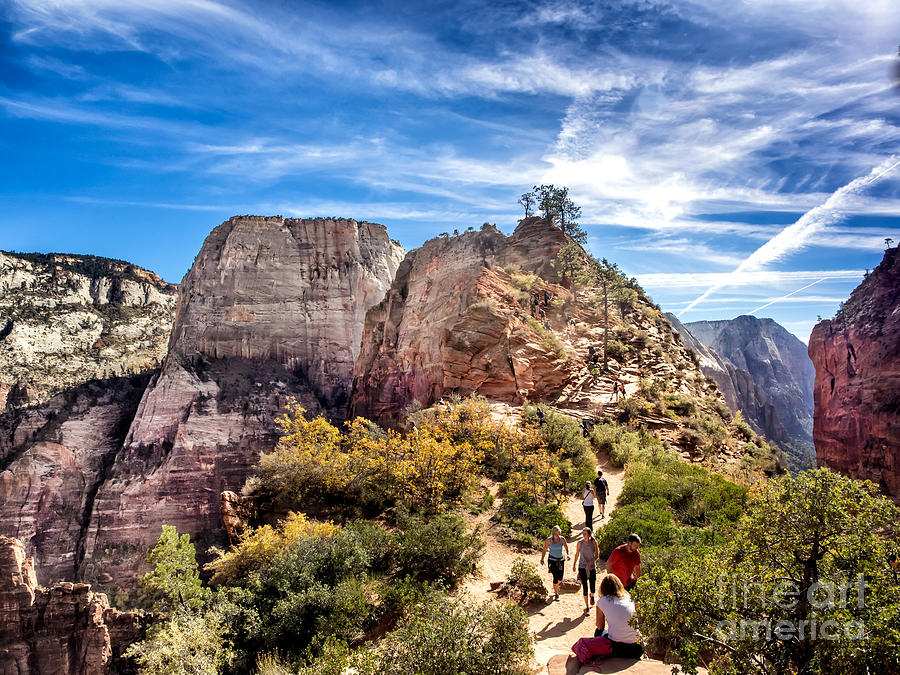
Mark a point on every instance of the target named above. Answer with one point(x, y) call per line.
point(625, 561)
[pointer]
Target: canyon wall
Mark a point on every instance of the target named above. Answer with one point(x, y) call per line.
point(67, 319)
point(271, 309)
point(857, 385)
point(66, 629)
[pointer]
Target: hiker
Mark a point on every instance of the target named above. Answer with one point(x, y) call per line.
point(601, 489)
point(622, 387)
point(592, 356)
point(547, 323)
point(585, 430)
point(595, 372)
point(546, 298)
point(540, 416)
point(625, 561)
point(614, 610)
point(555, 545)
point(586, 554)
point(616, 390)
point(588, 497)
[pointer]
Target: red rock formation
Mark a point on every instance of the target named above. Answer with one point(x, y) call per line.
point(450, 323)
point(64, 630)
point(857, 387)
point(271, 308)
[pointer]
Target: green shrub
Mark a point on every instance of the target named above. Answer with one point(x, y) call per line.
point(682, 405)
point(186, 644)
point(438, 549)
point(651, 520)
point(533, 519)
point(452, 636)
point(562, 436)
point(526, 580)
point(618, 351)
point(622, 444)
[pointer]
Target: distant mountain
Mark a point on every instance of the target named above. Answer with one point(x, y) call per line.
point(857, 386)
point(764, 371)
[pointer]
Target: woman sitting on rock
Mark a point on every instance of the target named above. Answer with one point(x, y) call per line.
point(555, 545)
point(614, 610)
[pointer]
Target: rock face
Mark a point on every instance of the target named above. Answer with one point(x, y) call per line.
point(767, 375)
point(64, 630)
point(450, 323)
point(67, 319)
point(272, 308)
point(857, 385)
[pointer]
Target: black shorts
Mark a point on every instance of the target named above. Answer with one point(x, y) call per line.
point(556, 567)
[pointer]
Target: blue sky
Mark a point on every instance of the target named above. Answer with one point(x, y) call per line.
point(725, 153)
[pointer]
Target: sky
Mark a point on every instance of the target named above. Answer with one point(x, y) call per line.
point(727, 154)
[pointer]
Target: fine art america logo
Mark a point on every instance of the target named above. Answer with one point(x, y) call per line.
point(820, 599)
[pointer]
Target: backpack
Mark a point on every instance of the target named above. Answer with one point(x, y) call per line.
point(592, 648)
point(601, 487)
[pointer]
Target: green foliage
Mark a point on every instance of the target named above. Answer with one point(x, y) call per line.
point(571, 263)
point(525, 579)
point(623, 445)
point(800, 543)
point(683, 405)
point(174, 583)
point(186, 644)
point(453, 636)
point(651, 520)
point(554, 203)
point(618, 351)
point(438, 549)
point(523, 281)
point(525, 516)
point(548, 338)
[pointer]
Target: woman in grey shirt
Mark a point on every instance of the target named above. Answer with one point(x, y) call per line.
point(586, 554)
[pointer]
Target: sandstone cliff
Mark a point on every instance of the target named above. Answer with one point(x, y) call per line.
point(451, 323)
point(67, 319)
point(763, 371)
point(64, 630)
point(857, 385)
point(272, 308)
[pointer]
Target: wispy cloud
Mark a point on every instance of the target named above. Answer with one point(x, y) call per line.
point(797, 236)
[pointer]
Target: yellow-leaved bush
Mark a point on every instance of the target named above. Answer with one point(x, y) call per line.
point(423, 469)
point(259, 547)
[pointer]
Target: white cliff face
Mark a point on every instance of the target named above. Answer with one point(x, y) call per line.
point(65, 320)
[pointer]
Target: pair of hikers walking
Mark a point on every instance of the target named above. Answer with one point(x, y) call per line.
point(594, 494)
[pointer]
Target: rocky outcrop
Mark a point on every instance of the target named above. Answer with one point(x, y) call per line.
point(64, 630)
point(857, 385)
point(451, 323)
point(66, 319)
point(764, 372)
point(272, 308)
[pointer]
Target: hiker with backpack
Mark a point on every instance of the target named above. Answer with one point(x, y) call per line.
point(586, 554)
point(588, 498)
point(601, 489)
point(555, 545)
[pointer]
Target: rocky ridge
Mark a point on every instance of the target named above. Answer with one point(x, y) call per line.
point(857, 385)
point(67, 319)
point(66, 629)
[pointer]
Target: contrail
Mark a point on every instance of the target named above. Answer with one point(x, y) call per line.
point(795, 236)
point(754, 311)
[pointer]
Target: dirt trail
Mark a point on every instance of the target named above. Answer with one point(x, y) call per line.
point(558, 624)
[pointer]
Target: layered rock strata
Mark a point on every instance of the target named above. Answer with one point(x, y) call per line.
point(857, 385)
point(271, 309)
point(451, 323)
point(65, 630)
point(66, 319)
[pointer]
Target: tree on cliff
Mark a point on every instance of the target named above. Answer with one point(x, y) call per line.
point(607, 276)
point(554, 203)
point(805, 584)
point(527, 200)
point(571, 264)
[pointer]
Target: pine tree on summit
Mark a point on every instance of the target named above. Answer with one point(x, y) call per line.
point(554, 203)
